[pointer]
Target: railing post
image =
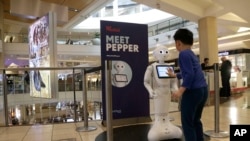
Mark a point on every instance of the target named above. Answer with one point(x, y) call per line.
point(5, 101)
point(108, 93)
point(216, 133)
point(85, 127)
point(74, 93)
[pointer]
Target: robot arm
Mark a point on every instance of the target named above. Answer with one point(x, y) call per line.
point(148, 81)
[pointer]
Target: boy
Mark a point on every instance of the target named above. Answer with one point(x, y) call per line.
point(193, 89)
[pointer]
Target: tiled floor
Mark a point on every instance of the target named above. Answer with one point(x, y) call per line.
point(231, 111)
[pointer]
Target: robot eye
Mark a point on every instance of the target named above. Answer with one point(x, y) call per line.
point(161, 51)
point(166, 52)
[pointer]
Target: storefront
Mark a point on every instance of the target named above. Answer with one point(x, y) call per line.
point(240, 67)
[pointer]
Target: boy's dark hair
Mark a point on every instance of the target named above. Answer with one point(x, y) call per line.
point(184, 35)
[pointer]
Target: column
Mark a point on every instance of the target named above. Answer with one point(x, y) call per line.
point(208, 39)
point(1, 36)
point(115, 8)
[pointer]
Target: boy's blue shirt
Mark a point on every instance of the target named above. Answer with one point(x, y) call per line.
point(190, 70)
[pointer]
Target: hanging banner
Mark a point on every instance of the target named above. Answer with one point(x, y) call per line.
point(126, 45)
point(42, 47)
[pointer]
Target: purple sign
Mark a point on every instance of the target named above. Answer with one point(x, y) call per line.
point(126, 45)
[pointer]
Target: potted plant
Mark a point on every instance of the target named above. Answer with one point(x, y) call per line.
point(96, 40)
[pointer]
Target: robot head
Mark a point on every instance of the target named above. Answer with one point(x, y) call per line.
point(119, 66)
point(161, 53)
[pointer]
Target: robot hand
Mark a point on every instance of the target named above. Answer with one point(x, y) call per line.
point(153, 94)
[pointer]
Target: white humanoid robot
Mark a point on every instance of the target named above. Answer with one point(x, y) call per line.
point(159, 86)
point(119, 77)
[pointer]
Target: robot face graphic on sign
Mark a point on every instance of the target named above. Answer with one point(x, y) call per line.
point(119, 66)
point(121, 73)
point(159, 86)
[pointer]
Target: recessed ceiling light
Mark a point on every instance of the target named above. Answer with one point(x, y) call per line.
point(73, 9)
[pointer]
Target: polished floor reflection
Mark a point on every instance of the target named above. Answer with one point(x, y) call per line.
point(234, 110)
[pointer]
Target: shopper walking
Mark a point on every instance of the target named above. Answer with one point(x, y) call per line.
point(193, 90)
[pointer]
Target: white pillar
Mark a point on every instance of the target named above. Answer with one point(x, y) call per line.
point(208, 39)
point(1, 36)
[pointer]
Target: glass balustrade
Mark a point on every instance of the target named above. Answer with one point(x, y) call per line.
point(24, 102)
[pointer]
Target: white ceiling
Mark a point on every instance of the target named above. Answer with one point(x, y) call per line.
point(230, 14)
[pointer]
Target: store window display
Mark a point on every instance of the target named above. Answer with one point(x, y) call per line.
point(160, 86)
point(239, 79)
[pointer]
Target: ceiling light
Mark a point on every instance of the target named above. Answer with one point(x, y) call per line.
point(73, 9)
point(234, 36)
point(242, 29)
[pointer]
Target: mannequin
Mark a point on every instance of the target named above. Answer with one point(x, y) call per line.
point(160, 91)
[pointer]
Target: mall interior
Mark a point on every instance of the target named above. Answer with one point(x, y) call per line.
point(67, 62)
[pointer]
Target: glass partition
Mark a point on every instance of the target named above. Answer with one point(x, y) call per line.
point(66, 104)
